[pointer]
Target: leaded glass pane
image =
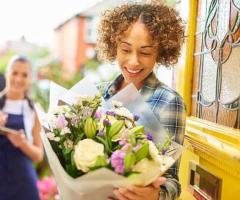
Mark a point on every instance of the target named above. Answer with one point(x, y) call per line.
point(230, 89)
point(209, 77)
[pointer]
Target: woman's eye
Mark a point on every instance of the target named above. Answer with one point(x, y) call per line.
point(145, 53)
point(24, 75)
point(14, 73)
point(126, 50)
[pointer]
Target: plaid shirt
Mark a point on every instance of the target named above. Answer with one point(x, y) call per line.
point(161, 99)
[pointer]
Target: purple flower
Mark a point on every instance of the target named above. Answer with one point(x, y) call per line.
point(61, 122)
point(98, 114)
point(106, 122)
point(136, 117)
point(111, 113)
point(101, 133)
point(117, 161)
point(164, 151)
point(149, 136)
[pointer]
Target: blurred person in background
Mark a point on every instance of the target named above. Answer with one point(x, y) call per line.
point(18, 149)
point(139, 36)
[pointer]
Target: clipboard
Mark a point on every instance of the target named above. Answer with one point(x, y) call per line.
point(4, 130)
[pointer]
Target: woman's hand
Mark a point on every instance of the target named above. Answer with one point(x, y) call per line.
point(3, 118)
point(17, 139)
point(150, 192)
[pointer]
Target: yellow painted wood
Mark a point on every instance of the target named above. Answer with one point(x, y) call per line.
point(185, 73)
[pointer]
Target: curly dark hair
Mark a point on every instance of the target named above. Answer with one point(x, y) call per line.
point(163, 23)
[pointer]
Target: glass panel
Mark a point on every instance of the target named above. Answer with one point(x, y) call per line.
point(223, 19)
point(230, 89)
point(209, 76)
point(236, 3)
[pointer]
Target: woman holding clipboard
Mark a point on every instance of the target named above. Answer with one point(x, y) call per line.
point(20, 143)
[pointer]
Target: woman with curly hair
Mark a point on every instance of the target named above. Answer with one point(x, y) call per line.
point(139, 36)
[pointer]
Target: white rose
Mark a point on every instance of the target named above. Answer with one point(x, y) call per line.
point(86, 153)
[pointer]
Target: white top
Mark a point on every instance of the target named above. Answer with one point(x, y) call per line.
point(22, 107)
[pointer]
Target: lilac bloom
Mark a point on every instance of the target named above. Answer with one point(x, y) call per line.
point(106, 122)
point(149, 136)
point(61, 122)
point(117, 161)
point(164, 151)
point(111, 113)
point(136, 117)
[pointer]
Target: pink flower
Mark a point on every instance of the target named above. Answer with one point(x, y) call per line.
point(47, 188)
point(61, 122)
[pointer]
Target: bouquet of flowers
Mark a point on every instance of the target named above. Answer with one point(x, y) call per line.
point(94, 146)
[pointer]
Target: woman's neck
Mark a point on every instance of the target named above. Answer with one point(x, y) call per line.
point(14, 96)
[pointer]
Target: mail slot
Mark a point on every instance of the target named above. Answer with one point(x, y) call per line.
point(203, 184)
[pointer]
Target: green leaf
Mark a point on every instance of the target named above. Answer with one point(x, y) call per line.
point(143, 152)
point(105, 143)
point(71, 170)
point(129, 160)
point(115, 128)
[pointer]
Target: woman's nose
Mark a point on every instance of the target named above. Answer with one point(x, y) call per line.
point(134, 60)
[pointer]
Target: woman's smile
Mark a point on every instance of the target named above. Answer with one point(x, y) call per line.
point(132, 72)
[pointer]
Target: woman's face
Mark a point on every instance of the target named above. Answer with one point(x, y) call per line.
point(136, 54)
point(18, 77)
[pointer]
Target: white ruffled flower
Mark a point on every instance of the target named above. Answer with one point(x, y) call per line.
point(51, 136)
point(61, 110)
point(124, 112)
point(117, 104)
point(86, 153)
point(51, 120)
point(82, 98)
point(65, 130)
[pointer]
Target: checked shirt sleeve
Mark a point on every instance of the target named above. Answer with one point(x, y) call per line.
point(169, 108)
